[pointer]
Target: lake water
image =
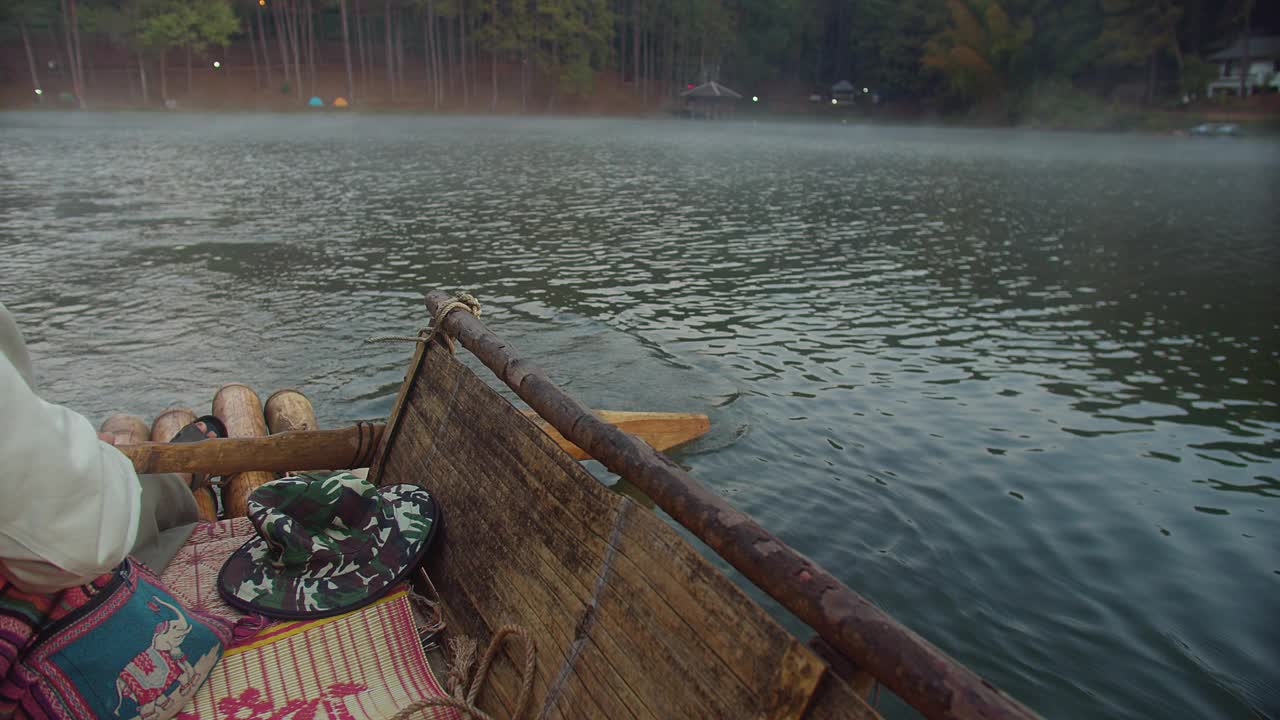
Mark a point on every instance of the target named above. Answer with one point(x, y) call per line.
point(1018, 389)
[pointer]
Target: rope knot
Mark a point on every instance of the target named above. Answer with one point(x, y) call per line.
point(461, 301)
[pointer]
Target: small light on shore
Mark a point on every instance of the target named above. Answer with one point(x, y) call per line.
point(755, 98)
point(262, 3)
point(217, 64)
point(866, 90)
point(39, 91)
point(834, 101)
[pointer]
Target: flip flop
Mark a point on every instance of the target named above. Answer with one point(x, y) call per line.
point(191, 433)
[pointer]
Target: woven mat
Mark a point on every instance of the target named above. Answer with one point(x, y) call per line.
point(192, 574)
point(364, 665)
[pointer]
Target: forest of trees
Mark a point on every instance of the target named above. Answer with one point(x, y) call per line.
point(951, 53)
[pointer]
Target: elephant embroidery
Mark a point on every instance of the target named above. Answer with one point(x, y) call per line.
point(154, 670)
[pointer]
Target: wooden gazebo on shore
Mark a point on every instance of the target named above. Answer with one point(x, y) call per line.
point(710, 100)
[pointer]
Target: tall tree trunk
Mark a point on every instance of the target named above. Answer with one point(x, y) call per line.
point(531, 51)
point(1151, 78)
point(1245, 61)
point(645, 53)
point(282, 35)
point(71, 52)
point(364, 65)
point(635, 45)
point(391, 62)
point(310, 39)
point(450, 54)
point(399, 52)
point(142, 78)
point(555, 75)
point(295, 40)
point(31, 61)
point(188, 70)
point(462, 53)
point(59, 66)
point(253, 50)
point(346, 51)
point(433, 58)
point(77, 58)
point(164, 77)
point(428, 78)
point(493, 55)
point(266, 56)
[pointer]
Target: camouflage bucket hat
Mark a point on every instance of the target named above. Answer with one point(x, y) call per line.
point(327, 543)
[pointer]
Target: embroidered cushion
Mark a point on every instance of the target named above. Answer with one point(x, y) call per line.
point(119, 647)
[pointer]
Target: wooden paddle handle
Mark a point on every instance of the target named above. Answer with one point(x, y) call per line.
point(351, 447)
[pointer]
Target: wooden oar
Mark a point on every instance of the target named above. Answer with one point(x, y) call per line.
point(354, 447)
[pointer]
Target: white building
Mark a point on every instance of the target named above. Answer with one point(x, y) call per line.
point(1264, 67)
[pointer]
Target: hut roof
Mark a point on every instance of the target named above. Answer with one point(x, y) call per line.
point(1261, 47)
point(844, 86)
point(711, 89)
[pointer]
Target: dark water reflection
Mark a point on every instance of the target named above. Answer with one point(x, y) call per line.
point(1018, 389)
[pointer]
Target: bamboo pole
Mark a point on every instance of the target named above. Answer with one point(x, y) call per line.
point(350, 447)
point(919, 673)
point(353, 447)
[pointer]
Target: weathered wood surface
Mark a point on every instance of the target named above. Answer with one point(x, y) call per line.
point(662, 430)
point(341, 448)
point(628, 619)
point(239, 408)
point(353, 447)
point(127, 429)
point(163, 428)
point(915, 670)
point(289, 411)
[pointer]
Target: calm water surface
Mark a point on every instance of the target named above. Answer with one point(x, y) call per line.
point(1021, 390)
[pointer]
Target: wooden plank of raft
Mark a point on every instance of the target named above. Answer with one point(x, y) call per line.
point(628, 619)
point(915, 670)
point(354, 446)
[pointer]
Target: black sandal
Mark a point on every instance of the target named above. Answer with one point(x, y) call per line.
point(191, 433)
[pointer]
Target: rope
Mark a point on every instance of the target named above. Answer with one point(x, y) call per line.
point(458, 679)
point(461, 301)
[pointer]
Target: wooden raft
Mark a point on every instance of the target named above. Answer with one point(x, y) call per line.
point(628, 619)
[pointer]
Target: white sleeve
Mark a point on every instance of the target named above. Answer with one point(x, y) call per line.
point(66, 498)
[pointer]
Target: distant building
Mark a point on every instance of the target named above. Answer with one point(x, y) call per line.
point(709, 100)
point(843, 91)
point(1263, 74)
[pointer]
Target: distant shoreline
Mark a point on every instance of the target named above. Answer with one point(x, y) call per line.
point(1146, 122)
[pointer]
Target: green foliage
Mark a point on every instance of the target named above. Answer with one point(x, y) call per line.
point(1198, 73)
point(196, 24)
point(574, 38)
point(1058, 104)
point(1134, 30)
point(1033, 57)
point(889, 44)
point(979, 49)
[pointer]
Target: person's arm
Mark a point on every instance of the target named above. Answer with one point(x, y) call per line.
point(69, 503)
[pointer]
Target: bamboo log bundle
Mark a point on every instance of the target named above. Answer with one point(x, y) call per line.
point(163, 428)
point(239, 408)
